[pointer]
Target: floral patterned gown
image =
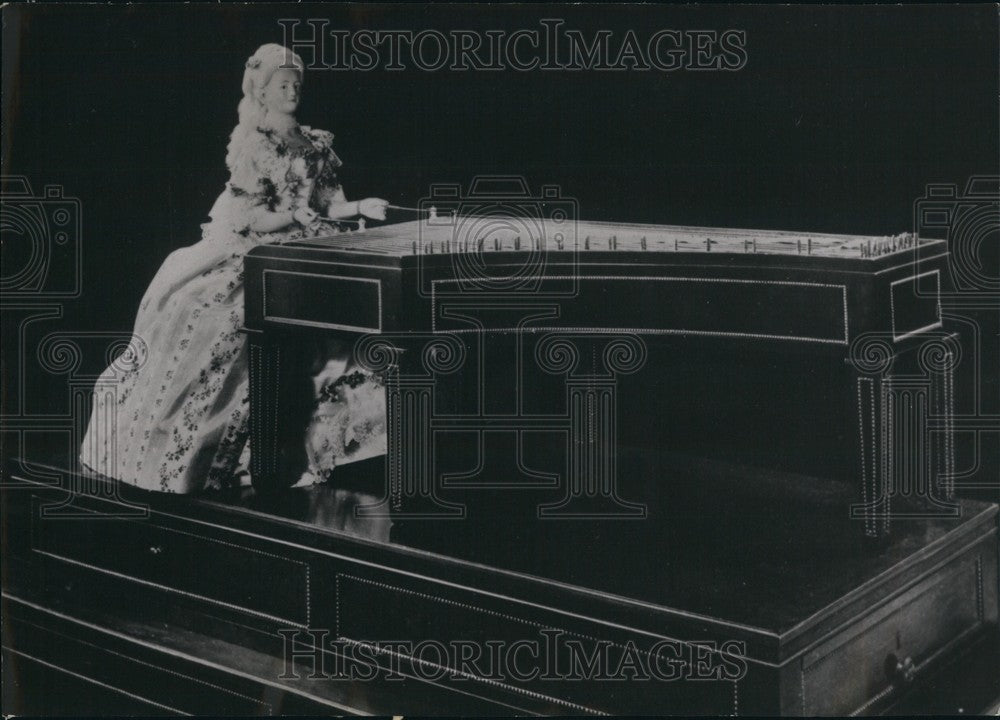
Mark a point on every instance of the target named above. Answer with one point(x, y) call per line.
point(172, 413)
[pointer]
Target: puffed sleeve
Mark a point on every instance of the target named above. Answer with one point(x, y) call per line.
point(251, 183)
point(328, 186)
point(328, 175)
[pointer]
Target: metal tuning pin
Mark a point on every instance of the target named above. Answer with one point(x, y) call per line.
point(798, 245)
point(675, 244)
point(481, 242)
point(755, 244)
point(614, 242)
point(432, 213)
point(414, 247)
point(559, 243)
point(809, 246)
point(361, 224)
point(517, 242)
point(708, 244)
point(586, 243)
point(642, 242)
point(496, 245)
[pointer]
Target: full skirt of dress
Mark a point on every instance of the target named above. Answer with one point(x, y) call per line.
point(172, 412)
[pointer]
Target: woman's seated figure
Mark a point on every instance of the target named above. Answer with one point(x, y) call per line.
point(172, 414)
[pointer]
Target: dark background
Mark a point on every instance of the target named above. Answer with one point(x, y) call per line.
point(836, 123)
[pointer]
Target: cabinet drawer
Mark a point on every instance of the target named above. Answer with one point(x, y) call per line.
point(858, 666)
point(120, 674)
point(180, 560)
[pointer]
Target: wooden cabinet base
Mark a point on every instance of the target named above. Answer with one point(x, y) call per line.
point(197, 605)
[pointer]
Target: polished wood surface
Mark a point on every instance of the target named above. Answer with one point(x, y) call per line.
point(818, 628)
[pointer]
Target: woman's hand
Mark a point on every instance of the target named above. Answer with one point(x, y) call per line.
point(373, 208)
point(304, 216)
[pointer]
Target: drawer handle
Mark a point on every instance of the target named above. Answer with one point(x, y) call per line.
point(155, 549)
point(900, 672)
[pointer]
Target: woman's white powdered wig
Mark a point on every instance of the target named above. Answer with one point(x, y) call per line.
point(257, 74)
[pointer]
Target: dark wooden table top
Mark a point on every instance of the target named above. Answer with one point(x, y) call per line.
point(756, 547)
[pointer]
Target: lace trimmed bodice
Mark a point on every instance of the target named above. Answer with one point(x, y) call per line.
point(271, 174)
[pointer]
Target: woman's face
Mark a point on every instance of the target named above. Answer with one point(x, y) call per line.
point(283, 92)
